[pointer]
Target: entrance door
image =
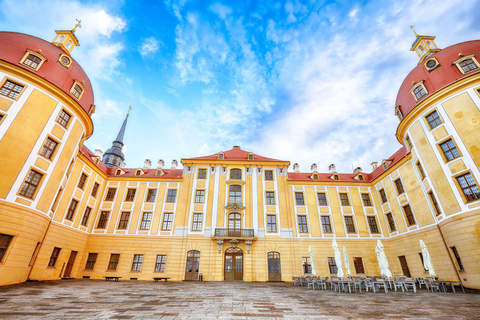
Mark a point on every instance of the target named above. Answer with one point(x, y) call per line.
point(70, 263)
point(233, 264)
point(274, 273)
point(234, 225)
point(193, 262)
point(404, 264)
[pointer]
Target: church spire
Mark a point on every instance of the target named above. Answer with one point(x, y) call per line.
point(114, 156)
point(66, 39)
point(121, 133)
point(424, 46)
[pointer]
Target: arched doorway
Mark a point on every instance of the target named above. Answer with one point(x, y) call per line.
point(234, 225)
point(193, 262)
point(233, 264)
point(274, 271)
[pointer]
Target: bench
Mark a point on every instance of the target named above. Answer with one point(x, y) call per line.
point(112, 278)
point(156, 279)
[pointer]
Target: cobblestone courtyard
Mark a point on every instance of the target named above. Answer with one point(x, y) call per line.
point(94, 299)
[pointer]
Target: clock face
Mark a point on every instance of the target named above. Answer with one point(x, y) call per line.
point(431, 64)
point(65, 61)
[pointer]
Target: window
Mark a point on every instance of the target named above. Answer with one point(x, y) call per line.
point(299, 198)
point(102, 222)
point(234, 221)
point(81, 182)
point(199, 196)
point(332, 266)
point(146, 219)
point(302, 224)
point(138, 172)
point(269, 175)
point(137, 262)
point(54, 257)
point(391, 222)
point(349, 224)
point(167, 221)
point(250, 156)
point(110, 194)
point(4, 243)
point(114, 258)
point(197, 222)
point(433, 119)
point(151, 194)
point(335, 177)
point(469, 187)
point(270, 197)
point(366, 200)
point(271, 223)
point(171, 195)
point(399, 186)
point(457, 257)
point(418, 91)
point(160, 263)
point(235, 194)
point(95, 190)
point(221, 156)
point(360, 177)
point(118, 172)
point(63, 118)
point(420, 170)
point(322, 199)
point(327, 227)
point(130, 195)
point(48, 148)
point(86, 215)
point(55, 202)
point(202, 174)
point(372, 223)
point(449, 150)
point(32, 61)
point(383, 196)
point(344, 199)
point(236, 174)
point(92, 258)
point(11, 89)
point(358, 263)
point(71, 209)
point(409, 215)
point(409, 143)
point(434, 203)
point(76, 90)
point(466, 64)
point(124, 218)
point(307, 266)
point(159, 173)
point(34, 254)
point(31, 184)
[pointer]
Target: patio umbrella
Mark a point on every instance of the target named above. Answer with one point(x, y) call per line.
point(427, 261)
point(338, 259)
point(314, 272)
point(347, 264)
point(382, 260)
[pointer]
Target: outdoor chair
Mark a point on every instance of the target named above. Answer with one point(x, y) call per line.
point(398, 284)
point(382, 283)
point(433, 285)
point(421, 281)
point(369, 285)
point(409, 283)
point(296, 281)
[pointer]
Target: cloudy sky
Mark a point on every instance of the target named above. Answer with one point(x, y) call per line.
point(304, 81)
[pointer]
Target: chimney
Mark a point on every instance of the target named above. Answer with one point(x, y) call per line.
point(174, 165)
point(374, 165)
point(332, 169)
point(314, 168)
point(357, 170)
point(147, 164)
point(160, 164)
point(296, 168)
point(98, 152)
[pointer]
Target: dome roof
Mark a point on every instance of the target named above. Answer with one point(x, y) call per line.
point(440, 77)
point(13, 48)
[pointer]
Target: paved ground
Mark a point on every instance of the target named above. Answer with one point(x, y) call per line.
point(95, 299)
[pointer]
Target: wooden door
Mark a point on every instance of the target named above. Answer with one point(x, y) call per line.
point(70, 264)
point(274, 271)
point(193, 263)
point(233, 264)
point(405, 269)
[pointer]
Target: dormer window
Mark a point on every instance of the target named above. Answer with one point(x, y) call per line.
point(118, 172)
point(250, 156)
point(159, 173)
point(138, 172)
point(335, 177)
point(360, 177)
point(315, 176)
point(418, 90)
point(385, 165)
point(466, 64)
point(398, 113)
point(77, 89)
point(221, 156)
point(33, 59)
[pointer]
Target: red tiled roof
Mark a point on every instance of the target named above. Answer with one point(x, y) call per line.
point(235, 155)
point(13, 47)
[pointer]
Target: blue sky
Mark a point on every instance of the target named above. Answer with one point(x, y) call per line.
point(304, 81)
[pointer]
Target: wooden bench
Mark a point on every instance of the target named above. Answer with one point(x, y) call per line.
point(156, 279)
point(112, 278)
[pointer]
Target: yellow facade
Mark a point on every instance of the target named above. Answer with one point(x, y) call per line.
point(237, 210)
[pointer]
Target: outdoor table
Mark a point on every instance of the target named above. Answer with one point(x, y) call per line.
point(443, 283)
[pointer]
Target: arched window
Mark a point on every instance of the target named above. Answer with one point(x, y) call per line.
point(159, 172)
point(119, 172)
point(236, 174)
point(235, 194)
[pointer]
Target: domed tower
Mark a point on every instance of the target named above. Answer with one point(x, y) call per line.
point(46, 101)
point(114, 156)
point(438, 106)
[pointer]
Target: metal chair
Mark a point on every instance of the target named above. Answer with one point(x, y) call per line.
point(409, 283)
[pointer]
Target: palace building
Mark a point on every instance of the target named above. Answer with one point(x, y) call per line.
point(66, 211)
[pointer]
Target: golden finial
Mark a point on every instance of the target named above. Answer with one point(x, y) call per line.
point(411, 27)
point(129, 108)
point(78, 25)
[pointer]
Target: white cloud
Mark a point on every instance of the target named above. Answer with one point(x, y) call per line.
point(149, 46)
point(221, 10)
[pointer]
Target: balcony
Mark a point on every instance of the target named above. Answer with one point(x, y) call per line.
point(233, 233)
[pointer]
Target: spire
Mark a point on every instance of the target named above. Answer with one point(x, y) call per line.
point(122, 129)
point(114, 156)
point(424, 46)
point(66, 39)
point(411, 27)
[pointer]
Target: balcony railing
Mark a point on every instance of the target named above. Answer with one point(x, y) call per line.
point(234, 233)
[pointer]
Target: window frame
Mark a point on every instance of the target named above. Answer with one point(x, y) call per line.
point(367, 201)
point(95, 188)
point(456, 255)
point(420, 170)
point(399, 186)
point(17, 94)
point(266, 175)
point(234, 195)
point(61, 119)
point(103, 219)
point(270, 197)
point(462, 189)
point(415, 87)
point(111, 193)
point(299, 198)
point(54, 257)
point(167, 223)
point(449, 151)
point(146, 221)
point(31, 185)
point(130, 195)
point(434, 203)
point(82, 181)
point(171, 196)
point(349, 225)
point(326, 224)
point(434, 119)
point(137, 263)
point(358, 265)
point(199, 195)
point(73, 90)
point(72, 207)
point(124, 220)
point(45, 148)
point(373, 225)
point(235, 174)
point(197, 224)
point(302, 223)
point(5, 243)
point(383, 195)
point(113, 262)
point(91, 261)
point(344, 201)
point(86, 216)
point(306, 265)
point(464, 58)
point(409, 213)
point(202, 173)
point(151, 195)
point(332, 265)
point(391, 222)
point(160, 265)
point(37, 55)
point(323, 201)
point(271, 223)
